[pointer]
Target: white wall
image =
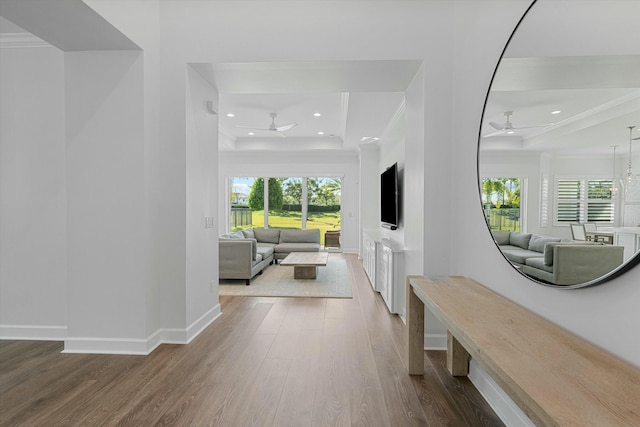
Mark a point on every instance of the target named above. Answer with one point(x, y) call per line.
point(283, 164)
point(202, 202)
point(604, 314)
point(32, 194)
point(106, 236)
point(414, 194)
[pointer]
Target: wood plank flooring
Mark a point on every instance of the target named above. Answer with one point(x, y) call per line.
point(264, 362)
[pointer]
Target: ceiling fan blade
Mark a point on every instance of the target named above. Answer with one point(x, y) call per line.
point(497, 126)
point(284, 128)
point(251, 127)
point(282, 135)
point(533, 127)
point(500, 132)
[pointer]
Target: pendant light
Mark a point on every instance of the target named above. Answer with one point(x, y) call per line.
point(614, 189)
point(629, 173)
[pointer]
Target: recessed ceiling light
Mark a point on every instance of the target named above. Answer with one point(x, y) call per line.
point(230, 115)
point(316, 114)
point(251, 133)
point(556, 112)
point(320, 133)
point(511, 132)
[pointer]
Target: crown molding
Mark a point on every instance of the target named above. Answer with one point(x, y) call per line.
point(21, 40)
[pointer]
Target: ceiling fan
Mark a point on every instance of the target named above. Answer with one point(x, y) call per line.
point(273, 127)
point(508, 128)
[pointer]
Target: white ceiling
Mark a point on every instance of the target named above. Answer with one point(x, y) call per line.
point(354, 100)
point(598, 94)
point(598, 98)
point(581, 58)
point(44, 18)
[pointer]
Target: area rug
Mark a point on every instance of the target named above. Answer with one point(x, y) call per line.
point(332, 281)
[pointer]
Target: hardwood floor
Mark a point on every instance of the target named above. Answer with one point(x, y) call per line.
point(264, 362)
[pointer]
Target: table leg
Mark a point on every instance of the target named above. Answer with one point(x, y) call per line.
point(457, 357)
point(305, 272)
point(415, 331)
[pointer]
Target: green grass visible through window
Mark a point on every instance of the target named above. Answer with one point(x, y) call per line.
point(325, 221)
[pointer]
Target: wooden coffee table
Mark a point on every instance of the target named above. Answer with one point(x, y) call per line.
point(305, 264)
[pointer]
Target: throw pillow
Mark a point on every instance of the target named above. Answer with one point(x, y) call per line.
point(267, 235)
point(300, 236)
point(519, 239)
point(236, 235)
point(537, 243)
point(248, 233)
point(501, 236)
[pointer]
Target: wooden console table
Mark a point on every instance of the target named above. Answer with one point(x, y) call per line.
point(555, 377)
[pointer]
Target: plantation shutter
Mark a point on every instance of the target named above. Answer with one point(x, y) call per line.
point(580, 200)
point(569, 196)
point(600, 207)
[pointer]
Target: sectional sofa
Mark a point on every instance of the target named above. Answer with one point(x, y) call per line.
point(558, 261)
point(243, 254)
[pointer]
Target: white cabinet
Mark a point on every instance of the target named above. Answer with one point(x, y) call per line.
point(629, 238)
point(369, 258)
point(391, 278)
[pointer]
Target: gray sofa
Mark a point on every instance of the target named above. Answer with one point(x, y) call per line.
point(558, 261)
point(243, 254)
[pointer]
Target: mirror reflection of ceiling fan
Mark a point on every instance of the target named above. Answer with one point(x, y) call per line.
point(507, 127)
point(279, 129)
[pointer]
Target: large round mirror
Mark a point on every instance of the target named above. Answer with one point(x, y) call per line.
point(559, 144)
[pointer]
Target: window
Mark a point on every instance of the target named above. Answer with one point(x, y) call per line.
point(584, 200)
point(501, 203)
point(288, 202)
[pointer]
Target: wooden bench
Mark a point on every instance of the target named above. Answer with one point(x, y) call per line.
point(554, 376)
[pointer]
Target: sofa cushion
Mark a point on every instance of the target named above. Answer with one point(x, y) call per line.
point(267, 235)
point(501, 236)
point(300, 236)
point(518, 255)
point(256, 260)
point(519, 239)
point(297, 247)
point(265, 249)
point(537, 243)
point(249, 234)
point(539, 263)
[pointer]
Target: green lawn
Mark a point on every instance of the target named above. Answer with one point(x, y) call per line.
point(288, 219)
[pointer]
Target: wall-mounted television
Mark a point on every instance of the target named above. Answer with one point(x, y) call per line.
point(389, 198)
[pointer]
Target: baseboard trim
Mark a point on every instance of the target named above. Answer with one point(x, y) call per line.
point(89, 345)
point(33, 332)
point(499, 401)
point(201, 324)
point(435, 342)
point(134, 346)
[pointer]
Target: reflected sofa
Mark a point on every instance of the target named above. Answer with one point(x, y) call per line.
point(558, 261)
point(244, 254)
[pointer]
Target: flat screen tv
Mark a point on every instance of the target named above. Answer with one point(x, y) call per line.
point(389, 197)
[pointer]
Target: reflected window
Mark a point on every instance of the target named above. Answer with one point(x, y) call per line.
point(584, 200)
point(501, 203)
